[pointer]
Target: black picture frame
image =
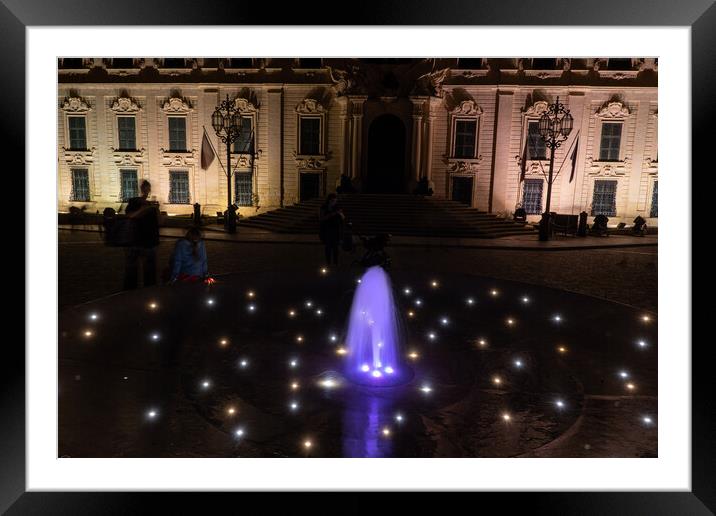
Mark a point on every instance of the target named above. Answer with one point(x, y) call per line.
point(700, 15)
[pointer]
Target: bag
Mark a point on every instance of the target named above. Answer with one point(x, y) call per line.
point(120, 233)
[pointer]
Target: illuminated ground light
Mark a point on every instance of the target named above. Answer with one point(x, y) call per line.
point(293, 363)
point(444, 321)
point(413, 355)
point(152, 414)
point(510, 321)
point(292, 313)
point(324, 271)
point(432, 335)
point(239, 432)
point(557, 318)
point(205, 384)
point(560, 404)
point(295, 386)
point(389, 370)
point(376, 373)
point(494, 292)
point(153, 305)
point(293, 406)
point(251, 294)
point(641, 343)
point(630, 386)
point(251, 308)
point(561, 349)
point(411, 314)
point(223, 342)
point(386, 431)
point(329, 383)
point(319, 312)
point(407, 291)
point(341, 351)
point(647, 420)
point(426, 389)
point(307, 444)
point(243, 363)
point(299, 338)
point(506, 417)
point(308, 304)
point(470, 301)
point(434, 284)
point(418, 302)
point(210, 301)
point(525, 299)
point(93, 317)
point(645, 318)
point(518, 363)
point(365, 368)
point(481, 342)
point(88, 333)
point(154, 336)
point(358, 280)
point(623, 374)
point(231, 411)
point(333, 337)
point(497, 380)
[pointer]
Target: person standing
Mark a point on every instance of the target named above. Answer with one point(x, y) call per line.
point(145, 217)
point(331, 219)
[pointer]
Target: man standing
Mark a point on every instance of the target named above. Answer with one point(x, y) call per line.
point(145, 217)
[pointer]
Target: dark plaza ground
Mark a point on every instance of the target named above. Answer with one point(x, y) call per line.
point(562, 389)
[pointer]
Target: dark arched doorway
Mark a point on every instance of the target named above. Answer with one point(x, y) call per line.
point(386, 156)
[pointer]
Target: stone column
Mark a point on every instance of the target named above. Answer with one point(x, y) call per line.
point(501, 169)
point(416, 145)
point(636, 162)
point(430, 118)
point(274, 113)
point(357, 133)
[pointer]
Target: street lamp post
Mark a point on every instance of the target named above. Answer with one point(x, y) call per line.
point(555, 124)
point(226, 121)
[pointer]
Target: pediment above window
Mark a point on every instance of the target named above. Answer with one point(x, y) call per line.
point(244, 105)
point(466, 108)
point(613, 109)
point(176, 105)
point(310, 106)
point(75, 104)
point(536, 109)
point(125, 105)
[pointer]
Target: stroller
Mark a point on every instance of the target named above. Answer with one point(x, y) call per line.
point(375, 253)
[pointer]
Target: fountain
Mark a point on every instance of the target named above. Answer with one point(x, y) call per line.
point(374, 336)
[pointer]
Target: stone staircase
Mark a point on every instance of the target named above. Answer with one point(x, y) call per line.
point(397, 214)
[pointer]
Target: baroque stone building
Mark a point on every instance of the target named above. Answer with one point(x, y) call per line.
point(469, 126)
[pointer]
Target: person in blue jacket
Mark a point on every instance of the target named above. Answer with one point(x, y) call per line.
point(189, 261)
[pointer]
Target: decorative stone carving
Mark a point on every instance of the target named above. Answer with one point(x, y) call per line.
point(176, 105)
point(244, 105)
point(613, 109)
point(467, 108)
point(607, 168)
point(310, 106)
point(317, 162)
point(75, 157)
point(128, 157)
point(463, 166)
point(651, 166)
point(177, 159)
point(75, 104)
point(432, 83)
point(536, 109)
point(125, 105)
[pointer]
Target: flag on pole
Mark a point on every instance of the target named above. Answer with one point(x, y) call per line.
point(523, 163)
point(207, 152)
point(574, 159)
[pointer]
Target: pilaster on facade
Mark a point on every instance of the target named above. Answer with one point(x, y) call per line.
point(418, 116)
point(500, 167)
point(356, 108)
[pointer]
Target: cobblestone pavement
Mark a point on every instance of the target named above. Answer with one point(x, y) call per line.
point(88, 270)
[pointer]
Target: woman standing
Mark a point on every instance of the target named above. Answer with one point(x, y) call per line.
point(331, 227)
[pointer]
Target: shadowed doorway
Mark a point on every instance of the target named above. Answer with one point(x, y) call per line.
point(386, 156)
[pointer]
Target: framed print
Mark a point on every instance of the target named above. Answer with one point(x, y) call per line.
point(417, 253)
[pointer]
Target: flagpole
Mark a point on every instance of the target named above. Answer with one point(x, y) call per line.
point(567, 154)
point(213, 148)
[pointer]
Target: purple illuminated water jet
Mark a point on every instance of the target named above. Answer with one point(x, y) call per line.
point(374, 337)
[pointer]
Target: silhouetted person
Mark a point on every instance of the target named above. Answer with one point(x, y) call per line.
point(639, 227)
point(331, 226)
point(346, 186)
point(423, 187)
point(520, 215)
point(599, 227)
point(197, 214)
point(189, 261)
point(145, 218)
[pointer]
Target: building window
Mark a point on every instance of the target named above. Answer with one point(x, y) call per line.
point(126, 129)
point(544, 64)
point(245, 62)
point(174, 62)
point(536, 147)
point(244, 143)
point(80, 185)
point(244, 189)
point(654, 212)
point(310, 63)
point(123, 62)
point(310, 136)
point(177, 134)
point(178, 187)
point(78, 132)
point(611, 141)
point(129, 184)
point(604, 199)
point(465, 138)
point(469, 62)
point(532, 197)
